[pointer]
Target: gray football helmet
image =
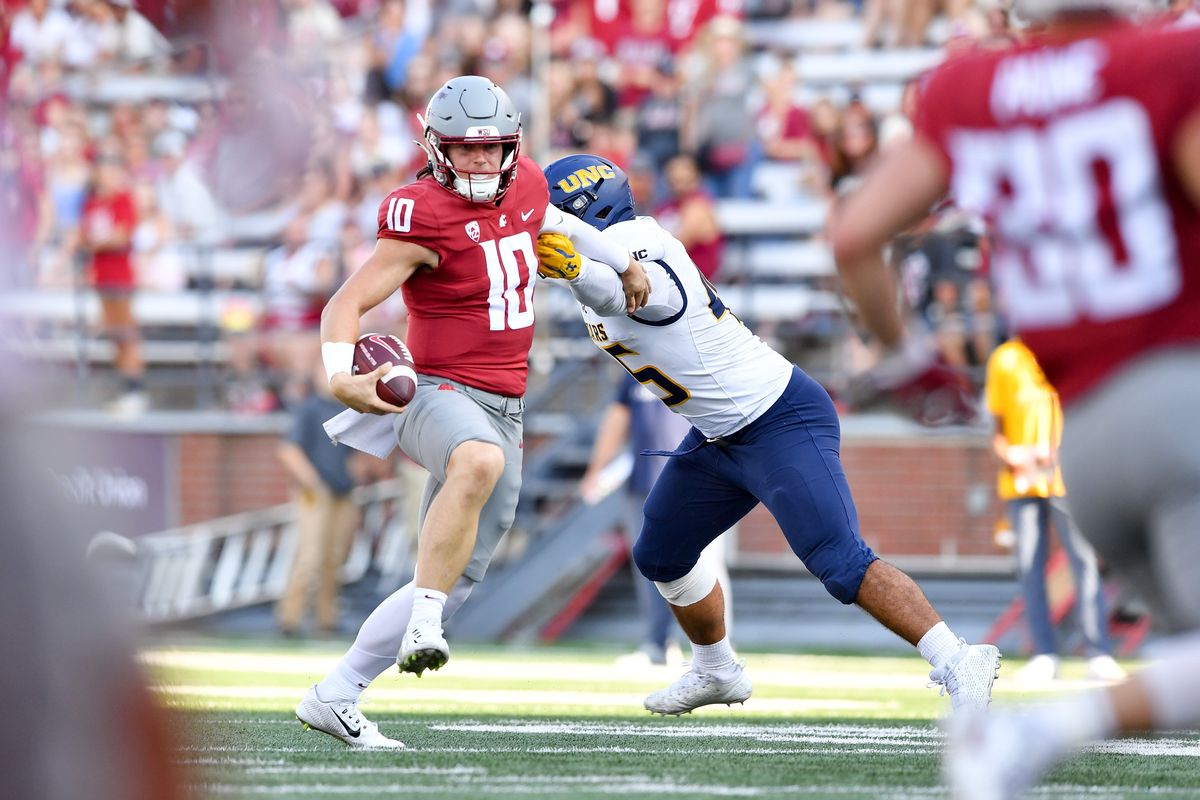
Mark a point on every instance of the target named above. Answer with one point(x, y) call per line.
point(470, 109)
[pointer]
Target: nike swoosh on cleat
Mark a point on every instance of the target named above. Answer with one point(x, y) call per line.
point(351, 731)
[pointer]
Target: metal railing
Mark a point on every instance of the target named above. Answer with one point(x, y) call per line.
point(244, 559)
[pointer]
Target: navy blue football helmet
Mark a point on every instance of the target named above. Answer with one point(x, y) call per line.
point(591, 188)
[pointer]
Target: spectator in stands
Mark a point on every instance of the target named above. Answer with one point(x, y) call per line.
point(183, 193)
point(106, 233)
point(719, 127)
point(944, 315)
point(635, 421)
point(591, 100)
point(25, 214)
point(312, 25)
point(156, 260)
point(320, 202)
point(786, 136)
point(326, 516)
point(297, 278)
point(855, 142)
point(138, 42)
point(690, 215)
point(660, 116)
point(643, 182)
point(897, 125)
point(983, 321)
point(93, 40)
point(638, 43)
point(373, 146)
point(824, 119)
point(68, 174)
point(40, 32)
point(1028, 420)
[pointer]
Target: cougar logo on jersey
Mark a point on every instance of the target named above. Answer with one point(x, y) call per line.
point(586, 177)
point(472, 229)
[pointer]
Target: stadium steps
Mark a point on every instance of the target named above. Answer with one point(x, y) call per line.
point(539, 596)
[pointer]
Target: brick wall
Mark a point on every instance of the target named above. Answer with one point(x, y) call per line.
point(222, 474)
point(915, 497)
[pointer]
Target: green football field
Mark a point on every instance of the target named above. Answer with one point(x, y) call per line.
point(568, 723)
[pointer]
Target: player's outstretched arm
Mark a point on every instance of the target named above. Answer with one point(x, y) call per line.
point(387, 268)
point(599, 288)
point(900, 189)
point(896, 193)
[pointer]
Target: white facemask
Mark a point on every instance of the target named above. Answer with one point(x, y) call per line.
point(480, 190)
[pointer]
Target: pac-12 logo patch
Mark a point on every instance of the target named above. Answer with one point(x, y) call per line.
point(473, 230)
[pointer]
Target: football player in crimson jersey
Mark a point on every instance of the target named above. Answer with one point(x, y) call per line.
point(1082, 149)
point(459, 243)
point(762, 431)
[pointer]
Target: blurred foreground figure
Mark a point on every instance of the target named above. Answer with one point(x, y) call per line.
point(1082, 148)
point(84, 724)
point(761, 430)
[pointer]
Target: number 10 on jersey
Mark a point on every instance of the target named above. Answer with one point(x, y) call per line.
point(507, 279)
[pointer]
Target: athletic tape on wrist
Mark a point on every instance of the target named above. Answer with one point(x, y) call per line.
point(337, 357)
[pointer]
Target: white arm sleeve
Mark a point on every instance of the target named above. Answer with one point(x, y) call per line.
point(600, 290)
point(588, 241)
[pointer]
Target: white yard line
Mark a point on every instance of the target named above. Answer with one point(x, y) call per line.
point(423, 696)
point(645, 786)
point(538, 670)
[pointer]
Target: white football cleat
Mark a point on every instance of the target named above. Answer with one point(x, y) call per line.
point(995, 756)
point(968, 676)
point(423, 647)
point(343, 721)
point(1042, 668)
point(1104, 668)
point(697, 689)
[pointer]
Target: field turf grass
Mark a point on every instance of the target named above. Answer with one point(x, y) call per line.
point(568, 723)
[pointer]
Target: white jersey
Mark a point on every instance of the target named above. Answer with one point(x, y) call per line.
point(685, 345)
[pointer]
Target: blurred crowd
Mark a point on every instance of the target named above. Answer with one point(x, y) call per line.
point(173, 146)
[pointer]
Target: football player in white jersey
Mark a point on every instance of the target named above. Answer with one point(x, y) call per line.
point(763, 431)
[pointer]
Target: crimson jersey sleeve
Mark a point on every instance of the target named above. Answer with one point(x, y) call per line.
point(410, 214)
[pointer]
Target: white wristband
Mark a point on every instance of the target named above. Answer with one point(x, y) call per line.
point(338, 357)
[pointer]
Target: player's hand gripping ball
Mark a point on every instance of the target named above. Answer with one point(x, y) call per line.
point(557, 257)
point(400, 383)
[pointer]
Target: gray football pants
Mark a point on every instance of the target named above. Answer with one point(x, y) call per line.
point(439, 420)
point(1131, 461)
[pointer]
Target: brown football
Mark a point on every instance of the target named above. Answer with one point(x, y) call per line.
point(400, 383)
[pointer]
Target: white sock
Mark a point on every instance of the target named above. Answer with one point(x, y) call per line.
point(378, 641)
point(938, 644)
point(427, 607)
point(373, 651)
point(714, 659)
point(344, 683)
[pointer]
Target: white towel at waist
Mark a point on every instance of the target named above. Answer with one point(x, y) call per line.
point(370, 433)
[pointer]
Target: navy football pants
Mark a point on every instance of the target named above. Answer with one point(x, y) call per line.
point(787, 459)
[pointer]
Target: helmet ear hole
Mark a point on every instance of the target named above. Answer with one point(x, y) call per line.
point(603, 213)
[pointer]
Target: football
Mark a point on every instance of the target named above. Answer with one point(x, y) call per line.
point(400, 383)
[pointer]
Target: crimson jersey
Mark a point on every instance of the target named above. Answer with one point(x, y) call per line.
point(471, 317)
point(1066, 150)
